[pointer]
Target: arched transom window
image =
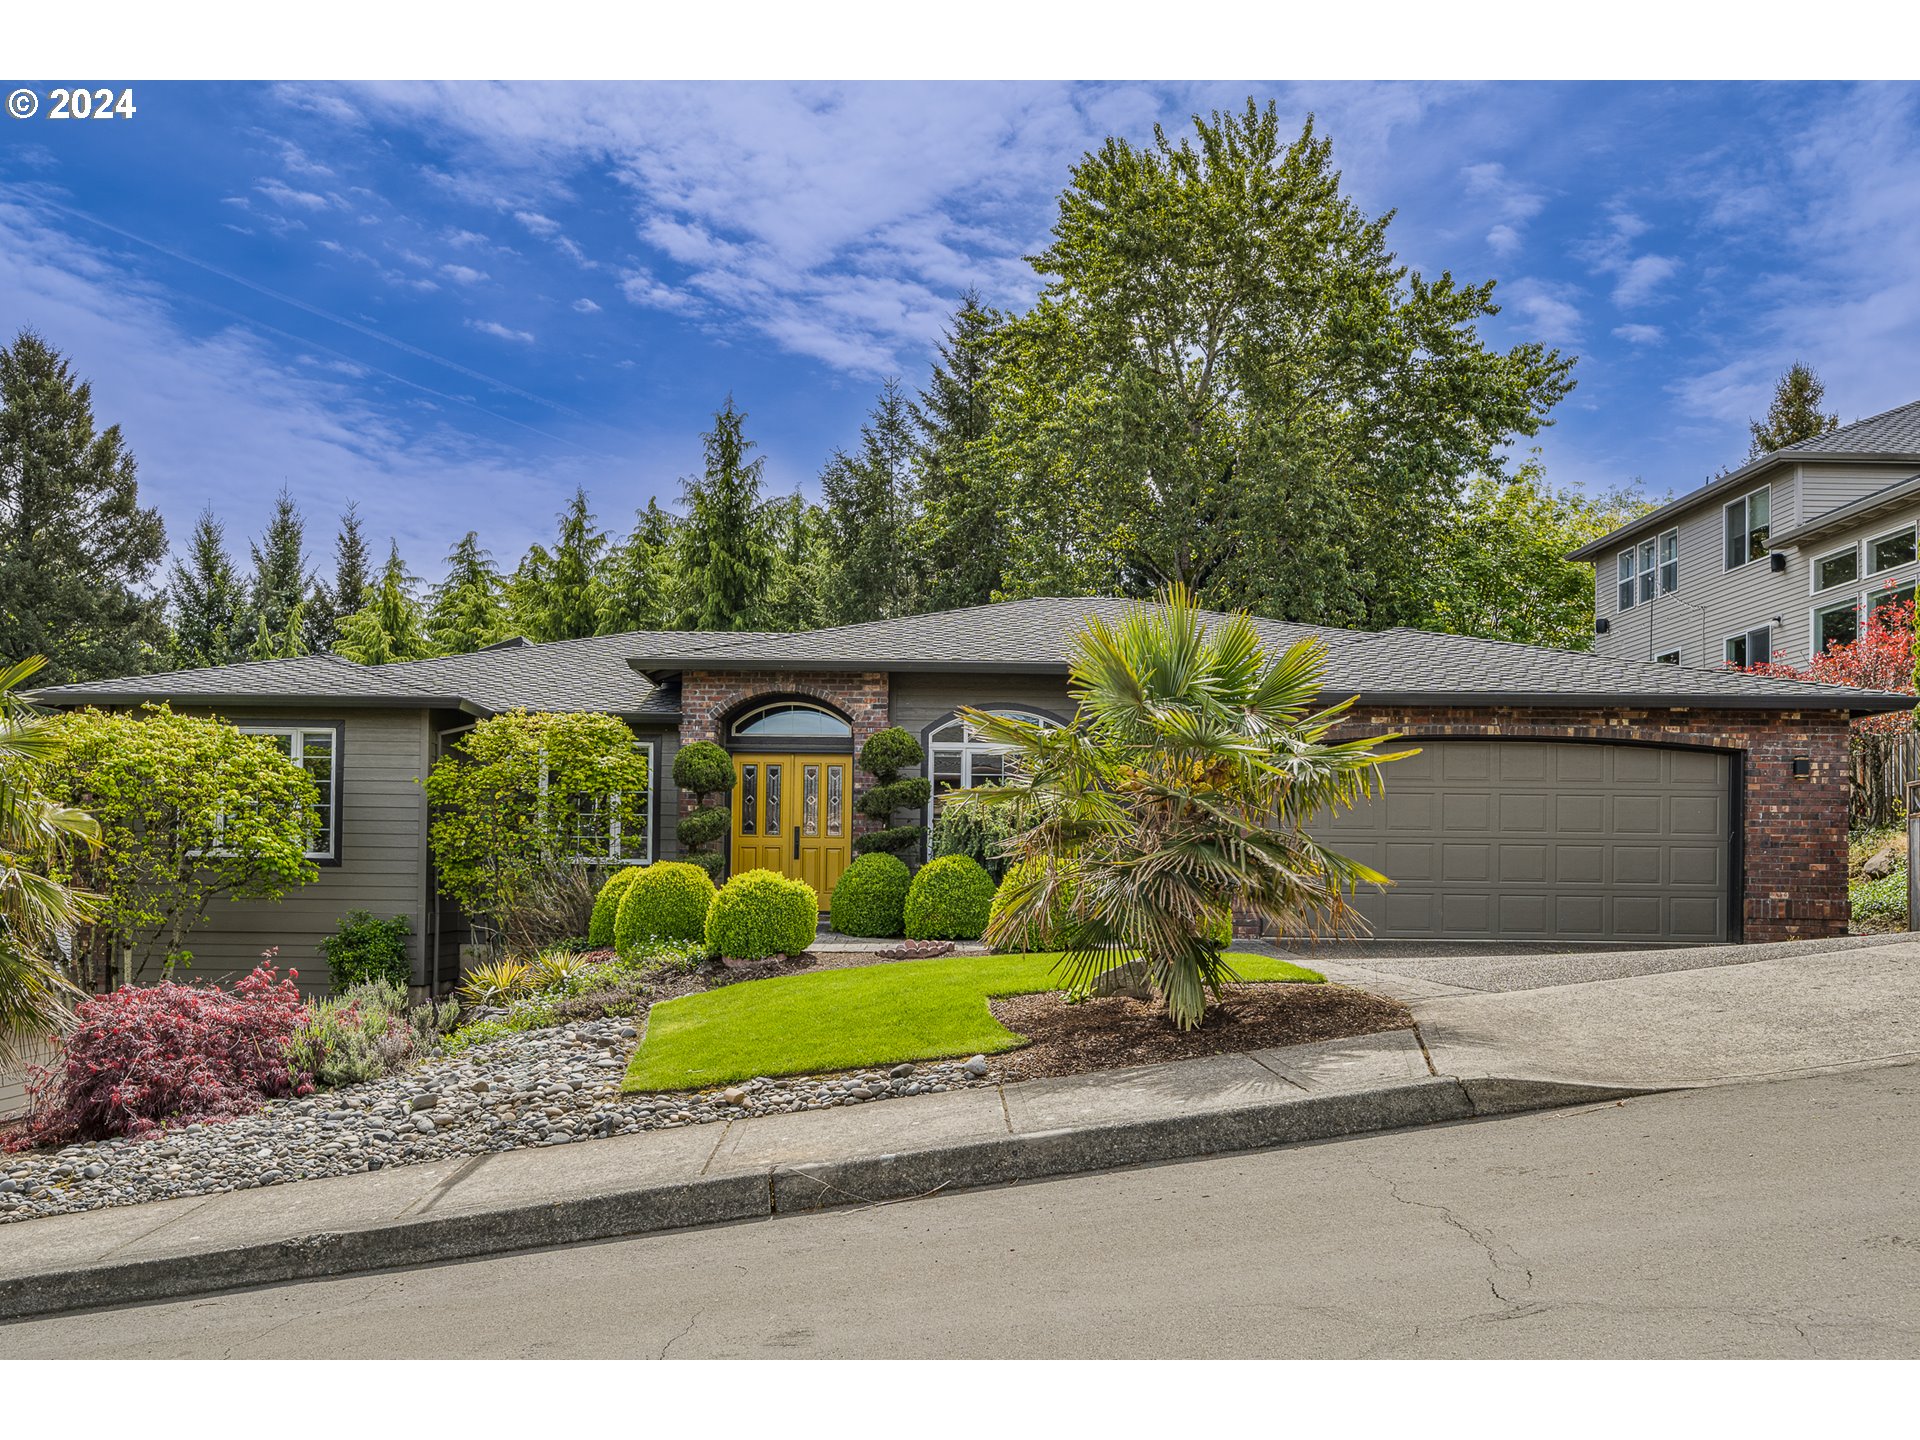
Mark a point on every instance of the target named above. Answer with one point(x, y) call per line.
point(791, 720)
point(957, 758)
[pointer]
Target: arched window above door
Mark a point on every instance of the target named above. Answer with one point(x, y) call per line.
point(791, 720)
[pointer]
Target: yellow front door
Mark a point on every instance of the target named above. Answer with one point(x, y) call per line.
point(793, 814)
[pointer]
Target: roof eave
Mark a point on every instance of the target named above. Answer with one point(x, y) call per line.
point(1869, 702)
point(657, 670)
point(243, 699)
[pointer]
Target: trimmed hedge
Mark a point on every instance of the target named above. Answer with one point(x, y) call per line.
point(871, 897)
point(703, 827)
point(363, 948)
point(888, 842)
point(888, 751)
point(606, 905)
point(949, 900)
point(668, 901)
point(759, 913)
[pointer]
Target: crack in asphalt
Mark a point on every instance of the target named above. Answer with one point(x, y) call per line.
point(695, 1320)
point(1518, 1305)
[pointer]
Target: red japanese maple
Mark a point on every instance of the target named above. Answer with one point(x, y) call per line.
point(1880, 659)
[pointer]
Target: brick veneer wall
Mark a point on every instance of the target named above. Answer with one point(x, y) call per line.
point(1793, 857)
point(708, 699)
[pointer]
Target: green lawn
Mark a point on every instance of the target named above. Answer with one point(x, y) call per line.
point(847, 1019)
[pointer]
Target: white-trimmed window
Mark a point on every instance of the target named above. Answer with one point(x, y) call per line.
point(1888, 552)
point(1626, 579)
point(1649, 570)
point(609, 831)
point(1894, 596)
point(1748, 520)
point(1835, 625)
point(1670, 562)
point(958, 759)
point(315, 749)
point(1667, 657)
point(1750, 647)
point(1841, 567)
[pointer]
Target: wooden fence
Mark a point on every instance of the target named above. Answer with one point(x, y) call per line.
point(1882, 767)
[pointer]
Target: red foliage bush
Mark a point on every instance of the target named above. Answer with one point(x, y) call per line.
point(148, 1054)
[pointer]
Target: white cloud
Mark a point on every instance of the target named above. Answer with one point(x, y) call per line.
point(1639, 334)
point(463, 274)
point(1641, 278)
point(538, 224)
point(1503, 240)
point(499, 331)
point(281, 193)
point(643, 289)
point(586, 307)
point(1637, 278)
point(1548, 305)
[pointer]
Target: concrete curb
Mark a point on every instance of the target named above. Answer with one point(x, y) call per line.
point(783, 1189)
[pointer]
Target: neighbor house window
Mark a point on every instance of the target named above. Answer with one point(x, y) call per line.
point(958, 759)
point(1890, 550)
point(1626, 579)
point(315, 749)
point(1840, 568)
point(1669, 562)
point(1891, 597)
point(1649, 570)
point(1748, 519)
point(1667, 657)
point(607, 829)
point(1755, 647)
point(1835, 625)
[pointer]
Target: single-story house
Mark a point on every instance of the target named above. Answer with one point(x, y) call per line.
point(1558, 796)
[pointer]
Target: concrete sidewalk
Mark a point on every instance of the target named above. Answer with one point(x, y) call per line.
point(1538, 1031)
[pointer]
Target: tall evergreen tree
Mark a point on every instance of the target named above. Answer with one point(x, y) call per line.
point(75, 543)
point(1795, 413)
point(803, 566)
point(468, 609)
point(553, 590)
point(637, 582)
point(962, 543)
point(280, 594)
point(209, 601)
point(391, 625)
point(725, 548)
point(338, 598)
point(871, 505)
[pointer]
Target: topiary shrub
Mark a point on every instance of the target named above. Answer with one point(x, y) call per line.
point(362, 948)
point(886, 753)
point(668, 900)
point(700, 770)
point(606, 905)
point(759, 913)
point(871, 897)
point(949, 900)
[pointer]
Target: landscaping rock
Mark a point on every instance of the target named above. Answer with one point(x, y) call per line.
point(976, 1066)
point(900, 1072)
point(1882, 863)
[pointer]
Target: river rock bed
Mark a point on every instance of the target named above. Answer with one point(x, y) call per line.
point(539, 1087)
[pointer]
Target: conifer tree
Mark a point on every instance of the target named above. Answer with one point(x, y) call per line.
point(796, 598)
point(391, 625)
point(871, 513)
point(1795, 413)
point(468, 609)
point(552, 591)
point(281, 586)
point(962, 542)
point(726, 551)
point(637, 583)
point(76, 545)
point(209, 601)
point(334, 600)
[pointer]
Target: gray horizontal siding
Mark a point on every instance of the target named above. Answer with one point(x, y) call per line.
point(383, 858)
point(1713, 603)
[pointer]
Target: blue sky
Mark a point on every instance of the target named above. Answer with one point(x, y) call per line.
point(453, 303)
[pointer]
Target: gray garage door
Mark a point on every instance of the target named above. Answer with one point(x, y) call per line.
point(1521, 840)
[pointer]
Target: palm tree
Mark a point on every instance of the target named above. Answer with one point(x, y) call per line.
point(36, 907)
point(1183, 788)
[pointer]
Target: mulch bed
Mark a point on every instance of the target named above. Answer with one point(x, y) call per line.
point(1109, 1033)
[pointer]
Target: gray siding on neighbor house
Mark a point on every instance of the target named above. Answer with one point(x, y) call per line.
point(384, 754)
point(1712, 602)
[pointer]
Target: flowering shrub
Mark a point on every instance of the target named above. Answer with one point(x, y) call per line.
point(366, 1032)
point(1882, 658)
point(145, 1055)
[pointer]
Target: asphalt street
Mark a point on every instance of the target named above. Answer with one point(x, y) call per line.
point(1765, 1220)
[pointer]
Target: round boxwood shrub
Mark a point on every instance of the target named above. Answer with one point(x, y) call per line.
point(668, 901)
point(606, 905)
point(949, 900)
point(871, 896)
point(759, 913)
point(703, 768)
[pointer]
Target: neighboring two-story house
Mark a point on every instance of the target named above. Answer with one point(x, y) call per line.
point(1773, 561)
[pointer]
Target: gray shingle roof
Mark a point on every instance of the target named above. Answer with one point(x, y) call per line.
point(1891, 435)
point(1034, 636)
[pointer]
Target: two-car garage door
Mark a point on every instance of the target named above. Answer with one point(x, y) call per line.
point(1528, 840)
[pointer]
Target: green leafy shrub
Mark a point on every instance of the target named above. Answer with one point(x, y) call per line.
point(700, 770)
point(366, 1032)
point(668, 901)
point(496, 982)
point(949, 900)
point(363, 948)
point(1035, 937)
point(871, 896)
point(886, 753)
point(1880, 904)
point(760, 914)
point(965, 827)
point(606, 905)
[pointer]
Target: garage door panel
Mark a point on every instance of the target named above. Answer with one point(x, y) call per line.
point(1548, 840)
